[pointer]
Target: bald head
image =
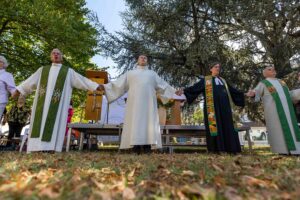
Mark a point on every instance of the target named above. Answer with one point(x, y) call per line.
point(56, 56)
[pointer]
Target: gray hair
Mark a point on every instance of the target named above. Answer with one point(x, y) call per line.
point(3, 59)
point(56, 49)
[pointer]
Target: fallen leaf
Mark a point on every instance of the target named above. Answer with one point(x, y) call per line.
point(49, 192)
point(128, 194)
point(202, 175)
point(219, 181)
point(131, 174)
point(232, 194)
point(106, 170)
point(99, 185)
point(251, 181)
point(103, 195)
point(195, 189)
point(187, 173)
point(218, 168)
point(286, 196)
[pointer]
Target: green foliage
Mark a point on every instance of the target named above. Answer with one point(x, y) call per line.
point(30, 29)
point(198, 115)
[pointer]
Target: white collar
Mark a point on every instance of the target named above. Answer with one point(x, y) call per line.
point(142, 67)
point(56, 64)
point(2, 71)
point(218, 81)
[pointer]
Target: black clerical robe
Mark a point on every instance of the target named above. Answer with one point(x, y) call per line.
point(227, 139)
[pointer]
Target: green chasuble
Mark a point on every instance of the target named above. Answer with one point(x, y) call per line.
point(54, 104)
point(282, 115)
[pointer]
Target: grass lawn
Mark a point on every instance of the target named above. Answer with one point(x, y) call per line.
point(110, 175)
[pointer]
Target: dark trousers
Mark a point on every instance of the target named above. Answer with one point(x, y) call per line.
point(141, 149)
point(14, 131)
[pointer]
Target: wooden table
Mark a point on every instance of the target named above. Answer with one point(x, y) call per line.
point(93, 129)
point(167, 131)
point(193, 131)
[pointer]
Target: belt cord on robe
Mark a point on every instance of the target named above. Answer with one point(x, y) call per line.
point(54, 104)
point(282, 116)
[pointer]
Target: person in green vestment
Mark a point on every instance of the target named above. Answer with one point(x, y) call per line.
point(53, 84)
point(281, 122)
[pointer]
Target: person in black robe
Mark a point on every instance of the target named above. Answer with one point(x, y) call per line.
point(227, 139)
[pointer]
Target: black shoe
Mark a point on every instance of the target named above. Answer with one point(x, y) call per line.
point(137, 149)
point(147, 149)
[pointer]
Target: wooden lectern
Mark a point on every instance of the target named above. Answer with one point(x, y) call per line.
point(94, 99)
point(176, 111)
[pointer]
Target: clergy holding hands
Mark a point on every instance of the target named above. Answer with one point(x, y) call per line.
point(281, 122)
point(141, 130)
point(53, 85)
point(219, 98)
point(7, 84)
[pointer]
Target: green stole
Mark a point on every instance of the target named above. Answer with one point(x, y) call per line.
point(210, 107)
point(282, 116)
point(55, 100)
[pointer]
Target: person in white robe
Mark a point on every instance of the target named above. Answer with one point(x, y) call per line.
point(141, 130)
point(282, 127)
point(114, 112)
point(7, 84)
point(53, 86)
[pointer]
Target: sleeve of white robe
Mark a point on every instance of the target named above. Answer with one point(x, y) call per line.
point(259, 92)
point(80, 82)
point(164, 90)
point(27, 86)
point(10, 83)
point(295, 95)
point(116, 89)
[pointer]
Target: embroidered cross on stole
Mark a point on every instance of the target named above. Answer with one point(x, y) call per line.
point(54, 104)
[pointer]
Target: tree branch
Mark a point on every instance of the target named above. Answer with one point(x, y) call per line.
point(5, 23)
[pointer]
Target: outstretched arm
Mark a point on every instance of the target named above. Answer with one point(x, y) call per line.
point(238, 97)
point(192, 92)
point(80, 82)
point(27, 86)
point(164, 90)
point(115, 89)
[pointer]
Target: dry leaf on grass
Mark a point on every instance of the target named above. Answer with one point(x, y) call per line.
point(251, 181)
point(195, 189)
point(232, 194)
point(128, 194)
point(49, 192)
point(219, 181)
point(131, 174)
point(218, 168)
point(99, 185)
point(187, 173)
point(102, 195)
